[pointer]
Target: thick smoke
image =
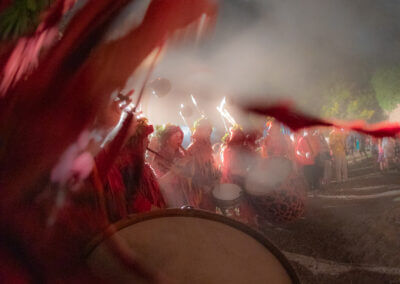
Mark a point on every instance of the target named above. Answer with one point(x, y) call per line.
point(269, 49)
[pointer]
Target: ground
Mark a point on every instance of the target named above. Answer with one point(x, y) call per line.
point(350, 233)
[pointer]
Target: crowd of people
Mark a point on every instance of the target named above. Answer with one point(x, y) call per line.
point(123, 165)
point(137, 169)
point(385, 151)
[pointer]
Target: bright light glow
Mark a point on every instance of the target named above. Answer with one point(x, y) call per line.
point(193, 100)
point(229, 117)
point(201, 27)
point(222, 105)
point(196, 105)
point(225, 113)
point(183, 118)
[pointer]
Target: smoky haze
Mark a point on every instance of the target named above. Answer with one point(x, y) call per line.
point(270, 49)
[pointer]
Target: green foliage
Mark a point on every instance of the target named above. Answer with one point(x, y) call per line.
point(345, 102)
point(334, 101)
point(386, 84)
point(21, 17)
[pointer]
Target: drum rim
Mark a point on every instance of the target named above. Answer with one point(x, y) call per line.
point(176, 212)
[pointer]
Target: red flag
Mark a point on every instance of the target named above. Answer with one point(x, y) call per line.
point(287, 114)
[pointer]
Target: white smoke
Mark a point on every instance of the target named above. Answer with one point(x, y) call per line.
point(283, 49)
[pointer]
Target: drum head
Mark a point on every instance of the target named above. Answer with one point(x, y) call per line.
point(268, 174)
point(191, 246)
point(227, 191)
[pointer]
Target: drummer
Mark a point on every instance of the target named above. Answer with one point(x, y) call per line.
point(172, 170)
point(235, 163)
point(170, 139)
point(205, 174)
point(131, 186)
point(275, 143)
point(234, 168)
point(142, 189)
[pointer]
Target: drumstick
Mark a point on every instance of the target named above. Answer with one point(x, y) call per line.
point(147, 78)
point(170, 165)
point(158, 155)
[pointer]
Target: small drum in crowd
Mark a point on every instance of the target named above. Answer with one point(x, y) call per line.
point(230, 202)
point(190, 246)
point(228, 197)
point(275, 191)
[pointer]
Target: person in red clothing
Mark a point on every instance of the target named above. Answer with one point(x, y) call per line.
point(235, 164)
point(170, 139)
point(205, 173)
point(142, 189)
point(275, 144)
point(129, 183)
point(234, 167)
point(173, 169)
point(106, 175)
point(307, 153)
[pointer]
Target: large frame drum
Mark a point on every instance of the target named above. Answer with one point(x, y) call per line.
point(192, 246)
